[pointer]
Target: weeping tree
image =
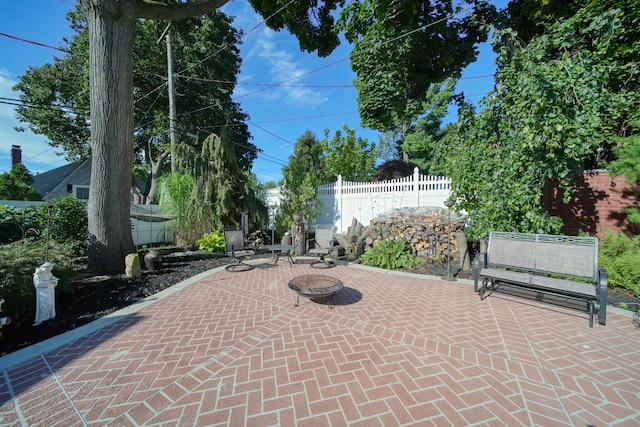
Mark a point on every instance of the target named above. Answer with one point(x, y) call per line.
point(221, 190)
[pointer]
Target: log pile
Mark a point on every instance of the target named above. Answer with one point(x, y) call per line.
point(351, 243)
point(425, 229)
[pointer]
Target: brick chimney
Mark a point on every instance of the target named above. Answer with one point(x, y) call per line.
point(16, 155)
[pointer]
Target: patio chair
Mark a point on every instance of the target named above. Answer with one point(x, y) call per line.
point(237, 247)
point(322, 245)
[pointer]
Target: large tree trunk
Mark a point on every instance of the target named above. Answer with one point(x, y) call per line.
point(111, 25)
point(111, 31)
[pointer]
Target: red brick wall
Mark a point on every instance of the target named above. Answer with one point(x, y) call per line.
point(596, 205)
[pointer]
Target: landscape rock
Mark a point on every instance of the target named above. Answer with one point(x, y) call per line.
point(132, 268)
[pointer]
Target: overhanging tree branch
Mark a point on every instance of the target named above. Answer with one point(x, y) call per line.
point(150, 9)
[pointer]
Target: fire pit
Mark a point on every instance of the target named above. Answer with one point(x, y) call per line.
point(315, 287)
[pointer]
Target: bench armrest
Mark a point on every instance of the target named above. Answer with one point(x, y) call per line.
point(307, 246)
point(601, 292)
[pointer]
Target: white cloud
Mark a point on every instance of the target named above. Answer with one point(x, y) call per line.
point(274, 58)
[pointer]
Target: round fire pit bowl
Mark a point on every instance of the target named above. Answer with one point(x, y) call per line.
point(315, 287)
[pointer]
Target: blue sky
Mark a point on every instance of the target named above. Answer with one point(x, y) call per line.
point(322, 98)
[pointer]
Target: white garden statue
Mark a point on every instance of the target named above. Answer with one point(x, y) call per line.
point(45, 282)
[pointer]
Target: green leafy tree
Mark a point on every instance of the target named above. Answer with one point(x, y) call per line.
point(402, 47)
point(628, 164)
point(348, 155)
point(531, 18)
point(302, 175)
point(549, 114)
point(16, 184)
point(420, 144)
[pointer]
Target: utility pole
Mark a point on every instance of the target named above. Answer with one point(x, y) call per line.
point(172, 102)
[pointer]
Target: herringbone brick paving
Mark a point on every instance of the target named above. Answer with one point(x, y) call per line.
point(395, 349)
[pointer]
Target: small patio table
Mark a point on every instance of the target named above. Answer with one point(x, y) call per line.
point(278, 249)
point(315, 287)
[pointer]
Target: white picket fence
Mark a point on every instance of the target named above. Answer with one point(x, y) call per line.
point(343, 200)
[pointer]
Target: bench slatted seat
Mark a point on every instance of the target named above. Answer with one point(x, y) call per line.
point(561, 265)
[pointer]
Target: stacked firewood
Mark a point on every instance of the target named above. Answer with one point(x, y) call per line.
point(353, 241)
point(427, 231)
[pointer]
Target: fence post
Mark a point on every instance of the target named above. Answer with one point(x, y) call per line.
point(416, 185)
point(339, 196)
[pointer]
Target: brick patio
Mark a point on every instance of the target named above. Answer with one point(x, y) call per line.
point(396, 349)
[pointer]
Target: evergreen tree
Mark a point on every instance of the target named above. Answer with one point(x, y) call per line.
point(16, 184)
point(305, 171)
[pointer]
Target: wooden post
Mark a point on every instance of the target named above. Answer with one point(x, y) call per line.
point(297, 232)
point(463, 250)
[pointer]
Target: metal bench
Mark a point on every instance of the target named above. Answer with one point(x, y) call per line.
point(561, 265)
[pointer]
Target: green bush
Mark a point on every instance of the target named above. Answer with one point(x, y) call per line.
point(19, 223)
point(389, 254)
point(18, 262)
point(68, 223)
point(212, 242)
point(620, 256)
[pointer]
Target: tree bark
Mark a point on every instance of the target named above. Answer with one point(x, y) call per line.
point(111, 33)
point(156, 167)
point(298, 234)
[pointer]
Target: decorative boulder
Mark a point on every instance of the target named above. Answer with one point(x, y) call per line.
point(132, 266)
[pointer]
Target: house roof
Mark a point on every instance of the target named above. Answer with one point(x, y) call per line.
point(45, 182)
point(50, 182)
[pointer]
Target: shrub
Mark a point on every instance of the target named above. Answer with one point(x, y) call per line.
point(212, 242)
point(620, 256)
point(389, 254)
point(68, 223)
point(17, 265)
point(19, 223)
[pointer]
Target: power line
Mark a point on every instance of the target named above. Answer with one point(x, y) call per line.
point(318, 116)
point(314, 86)
point(32, 157)
point(349, 86)
point(33, 42)
point(21, 103)
point(271, 133)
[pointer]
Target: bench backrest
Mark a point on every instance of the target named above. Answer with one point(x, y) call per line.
point(575, 256)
